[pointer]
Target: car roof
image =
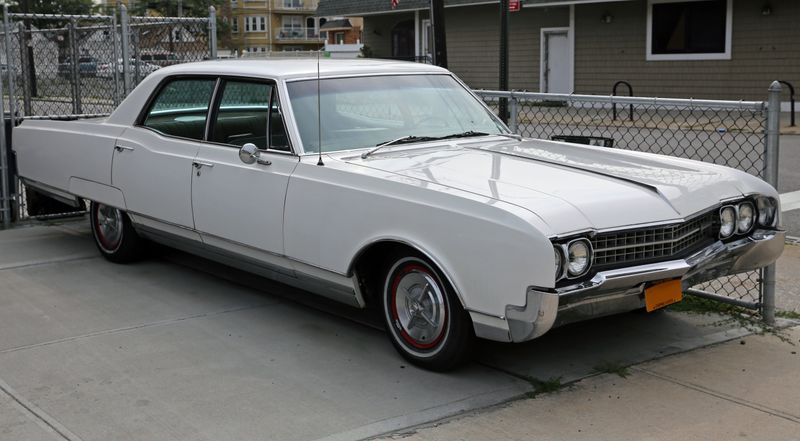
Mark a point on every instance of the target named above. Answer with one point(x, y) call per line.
point(298, 67)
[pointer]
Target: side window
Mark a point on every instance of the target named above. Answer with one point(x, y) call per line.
point(242, 115)
point(248, 112)
point(181, 108)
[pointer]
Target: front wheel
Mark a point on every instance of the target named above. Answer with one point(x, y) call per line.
point(114, 235)
point(424, 318)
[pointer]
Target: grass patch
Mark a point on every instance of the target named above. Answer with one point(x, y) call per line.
point(793, 315)
point(731, 314)
point(609, 367)
point(550, 385)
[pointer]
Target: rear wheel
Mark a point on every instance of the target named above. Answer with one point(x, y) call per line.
point(423, 316)
point(114, 235)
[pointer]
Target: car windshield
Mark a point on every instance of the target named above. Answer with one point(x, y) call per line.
point(364, 112)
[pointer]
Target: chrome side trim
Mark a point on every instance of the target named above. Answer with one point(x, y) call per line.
point(280, 273)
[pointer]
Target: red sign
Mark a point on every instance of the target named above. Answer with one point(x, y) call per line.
point(514, 5)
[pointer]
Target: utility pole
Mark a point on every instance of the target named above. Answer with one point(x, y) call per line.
point(504, 58)
point(439, 36)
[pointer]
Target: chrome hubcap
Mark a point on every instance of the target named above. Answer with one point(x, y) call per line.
point(109, 226)
point(420, 307)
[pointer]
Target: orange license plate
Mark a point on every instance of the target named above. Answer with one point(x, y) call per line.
point(662, 294)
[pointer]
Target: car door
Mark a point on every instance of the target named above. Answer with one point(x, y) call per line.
point(238, 207)
point(152, 162)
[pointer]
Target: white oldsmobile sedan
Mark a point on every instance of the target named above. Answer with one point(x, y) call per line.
point(390, 186)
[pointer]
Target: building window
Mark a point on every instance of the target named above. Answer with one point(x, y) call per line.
point(255, 24)
point(234, 24)
point(338, 37)
point(689, 30)
point(234, 3)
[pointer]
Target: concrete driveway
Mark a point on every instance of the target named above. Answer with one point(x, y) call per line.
point(178, 348)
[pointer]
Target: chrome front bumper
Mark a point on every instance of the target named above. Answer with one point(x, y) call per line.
point(621, 290)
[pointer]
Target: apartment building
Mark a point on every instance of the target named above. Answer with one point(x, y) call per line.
point(275, 25)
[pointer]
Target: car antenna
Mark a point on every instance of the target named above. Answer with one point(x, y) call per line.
point(319, 114)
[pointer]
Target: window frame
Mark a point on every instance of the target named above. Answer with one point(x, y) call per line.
point(213, 107)
point(151, 101)
point(219, 91)
point(650, 56)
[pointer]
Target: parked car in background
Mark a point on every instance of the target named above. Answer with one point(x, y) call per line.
point(391, 186)
point(162, 59)
point(106, 70)
point(87, 67)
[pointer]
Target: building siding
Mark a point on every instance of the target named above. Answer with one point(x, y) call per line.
point(763, 49)
point(473, 44)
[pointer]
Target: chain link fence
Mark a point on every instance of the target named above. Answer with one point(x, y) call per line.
point(730, 133)
point(67, 66)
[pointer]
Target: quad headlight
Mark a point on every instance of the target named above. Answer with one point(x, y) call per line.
point(727, 219)
point(745, 217)
point(572, 259)
point(767, 211)
point(559, 262)
point(579, 257)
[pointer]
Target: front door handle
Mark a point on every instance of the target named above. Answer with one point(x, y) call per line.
point(201, 164)
point(121, 148)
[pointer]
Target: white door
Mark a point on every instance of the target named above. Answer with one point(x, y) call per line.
point(556, 61)
point(152, 162)
point(238, 206)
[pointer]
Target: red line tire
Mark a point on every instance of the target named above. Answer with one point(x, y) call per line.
point(423, 316)
point(114, 235)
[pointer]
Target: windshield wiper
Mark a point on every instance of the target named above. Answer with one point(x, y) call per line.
point(412, 138)
point(470, 133)
point(404, 139)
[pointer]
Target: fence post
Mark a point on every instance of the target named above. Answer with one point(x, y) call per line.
point(11, 69)
point(5, 192)
point(126, 48)
point(26, 74)
point(514, 110)
point(75, 74)
point(212, 32)
point(771, 176)
point(115, 59)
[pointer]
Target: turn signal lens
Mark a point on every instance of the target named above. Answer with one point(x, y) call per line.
point(746, 217)
point(580, 257)
point(727, 219)
point(767, 210)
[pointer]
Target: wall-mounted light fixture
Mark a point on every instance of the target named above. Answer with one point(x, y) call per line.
point(766, 9)
point(607, 18)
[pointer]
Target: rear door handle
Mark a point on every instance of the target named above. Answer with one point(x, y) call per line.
point(121, 148)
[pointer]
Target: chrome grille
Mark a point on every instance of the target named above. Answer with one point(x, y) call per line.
point(652, 244)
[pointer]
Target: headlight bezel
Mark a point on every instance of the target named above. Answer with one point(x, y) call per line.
point(562, 250)
point(589, 257)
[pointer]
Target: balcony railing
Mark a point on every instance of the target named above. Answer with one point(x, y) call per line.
point(294, 34)
point(295, 5)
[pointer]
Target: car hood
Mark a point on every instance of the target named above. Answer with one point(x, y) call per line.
point(570, 187)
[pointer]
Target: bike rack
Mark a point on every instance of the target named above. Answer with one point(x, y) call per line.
point(791, 101)
point(614, 93)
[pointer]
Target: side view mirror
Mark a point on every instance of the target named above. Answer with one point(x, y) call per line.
point(249, 154)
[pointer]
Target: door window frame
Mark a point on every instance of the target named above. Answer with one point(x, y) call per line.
point(219, 91)
point(213, 108)
point(151, 101)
